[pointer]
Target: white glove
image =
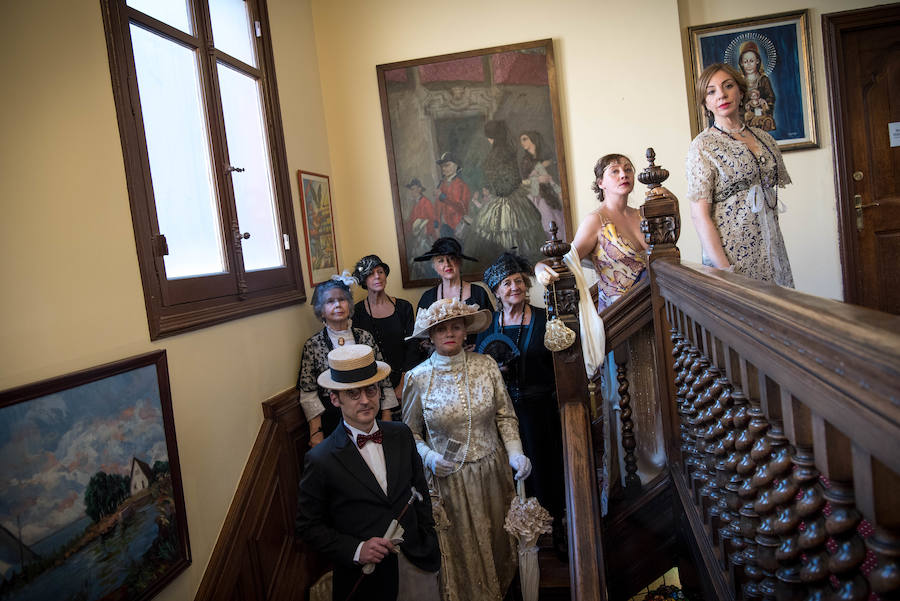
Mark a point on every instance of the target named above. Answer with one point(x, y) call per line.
point(544, 274)
point(437, 464)
point(521, 464)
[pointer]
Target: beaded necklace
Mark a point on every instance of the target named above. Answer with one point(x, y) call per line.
point(462, 285)
point(514, 393)
point(759, 161)
point(468, 407)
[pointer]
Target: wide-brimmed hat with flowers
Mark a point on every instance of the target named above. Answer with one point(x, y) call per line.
point(445, 309)
point(353, 366)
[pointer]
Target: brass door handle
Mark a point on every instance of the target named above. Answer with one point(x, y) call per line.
point(858, 205)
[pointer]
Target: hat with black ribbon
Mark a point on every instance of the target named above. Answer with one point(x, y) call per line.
point(448, 246)
point(353, 366)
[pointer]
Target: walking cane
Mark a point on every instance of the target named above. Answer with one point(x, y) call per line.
point(394, 530)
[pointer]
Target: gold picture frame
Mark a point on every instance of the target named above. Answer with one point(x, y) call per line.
point(784, 103)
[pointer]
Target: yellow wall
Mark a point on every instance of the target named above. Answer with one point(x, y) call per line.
point(71, 289)
point(72, 293)
point(810, 225)
point(622, 88)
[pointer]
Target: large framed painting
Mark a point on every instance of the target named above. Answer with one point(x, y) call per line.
point(91, 501)
point(318, 225)
point(475, 151)
point(772, 52)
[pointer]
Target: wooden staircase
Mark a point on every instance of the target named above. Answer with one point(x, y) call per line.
point(780, 415)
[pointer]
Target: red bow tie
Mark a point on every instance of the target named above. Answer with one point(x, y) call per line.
point(362, 439)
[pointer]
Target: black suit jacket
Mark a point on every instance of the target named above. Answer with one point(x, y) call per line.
point(340, 504)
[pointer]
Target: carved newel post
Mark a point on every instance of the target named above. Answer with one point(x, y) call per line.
point(661, 225)
point(586, 567)
point(661, 222)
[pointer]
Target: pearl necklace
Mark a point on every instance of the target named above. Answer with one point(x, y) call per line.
point(724, 129)
point(468, 408)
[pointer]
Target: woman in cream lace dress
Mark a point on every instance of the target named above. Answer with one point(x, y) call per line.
point(467, 434)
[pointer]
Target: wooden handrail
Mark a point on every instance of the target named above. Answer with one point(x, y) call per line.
point(627, 315)
point(844, 359)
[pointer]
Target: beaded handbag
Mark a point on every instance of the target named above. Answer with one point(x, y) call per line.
point(558, 336)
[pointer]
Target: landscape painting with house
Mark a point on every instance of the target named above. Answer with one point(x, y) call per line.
point(87, 504)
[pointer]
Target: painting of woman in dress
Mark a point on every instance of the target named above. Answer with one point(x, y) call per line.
point(543, 190)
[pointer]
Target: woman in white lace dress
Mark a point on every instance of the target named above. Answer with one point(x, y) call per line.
point(467, 434)
point(734, 172)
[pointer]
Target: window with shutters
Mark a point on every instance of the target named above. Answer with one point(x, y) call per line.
point(195, 92)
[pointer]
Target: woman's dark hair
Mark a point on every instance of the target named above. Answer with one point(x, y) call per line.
point(318, 297)
point(707, 74)
point(528, 162)
point(501, 175)
point(604, 162)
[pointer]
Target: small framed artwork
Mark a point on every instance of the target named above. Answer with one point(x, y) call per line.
point(773, 54)
point(475, 151)
point(318, 225)
point(91, 500)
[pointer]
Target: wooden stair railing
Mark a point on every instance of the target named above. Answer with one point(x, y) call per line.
point(256, 556)
point(782, 431)
point(771, 389)
point(577, 400)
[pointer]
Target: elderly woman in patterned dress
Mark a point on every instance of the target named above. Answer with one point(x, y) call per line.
point(466, 431)
point(734, 172)
point(332, 302)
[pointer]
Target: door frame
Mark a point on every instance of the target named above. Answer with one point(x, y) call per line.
point(833, 26)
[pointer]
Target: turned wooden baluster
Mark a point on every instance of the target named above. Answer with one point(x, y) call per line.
point(632, 481)
point(883, 510)
point(833, 455)
point(759, 452)
point(693, 367)
point(775, 488)
point(808, 507)
point(681, 351)
point(720, 442)
point(740, 465)
point(707, 420)
point(724, 513)
point(698, 380)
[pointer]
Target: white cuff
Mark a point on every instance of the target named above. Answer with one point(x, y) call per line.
point(514, 447)
point(358, 551)
point(312, 406)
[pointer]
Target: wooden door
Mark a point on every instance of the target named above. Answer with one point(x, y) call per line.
point(862, 54)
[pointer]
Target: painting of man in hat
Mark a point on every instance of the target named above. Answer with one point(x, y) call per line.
point(454, 195)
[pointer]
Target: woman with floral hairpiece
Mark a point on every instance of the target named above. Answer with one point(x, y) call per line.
point(467, 434)
point(388, 319)
point(332, 302)
point(734, 172)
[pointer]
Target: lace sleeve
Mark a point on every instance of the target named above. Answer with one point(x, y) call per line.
point(784, 178)
point(701, 175)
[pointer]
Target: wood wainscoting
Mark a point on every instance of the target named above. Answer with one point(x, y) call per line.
point(256, 556)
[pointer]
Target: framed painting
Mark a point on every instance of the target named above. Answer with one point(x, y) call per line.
point(475, 151)
point(772, 52)
point(91, 500)
point(318, 225)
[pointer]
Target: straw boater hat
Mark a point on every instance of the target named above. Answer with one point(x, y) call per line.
point(353, 366)
point(446, 309)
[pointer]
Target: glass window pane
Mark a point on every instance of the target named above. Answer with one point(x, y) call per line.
point(248, 149)
point(171, 12)
point(178, 146)
point(232, 29)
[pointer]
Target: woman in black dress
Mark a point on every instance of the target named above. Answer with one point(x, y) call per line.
point(515, 339)
point(387, 318)
point(446, 256)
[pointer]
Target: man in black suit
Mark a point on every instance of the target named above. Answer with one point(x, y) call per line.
point(357, 481)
